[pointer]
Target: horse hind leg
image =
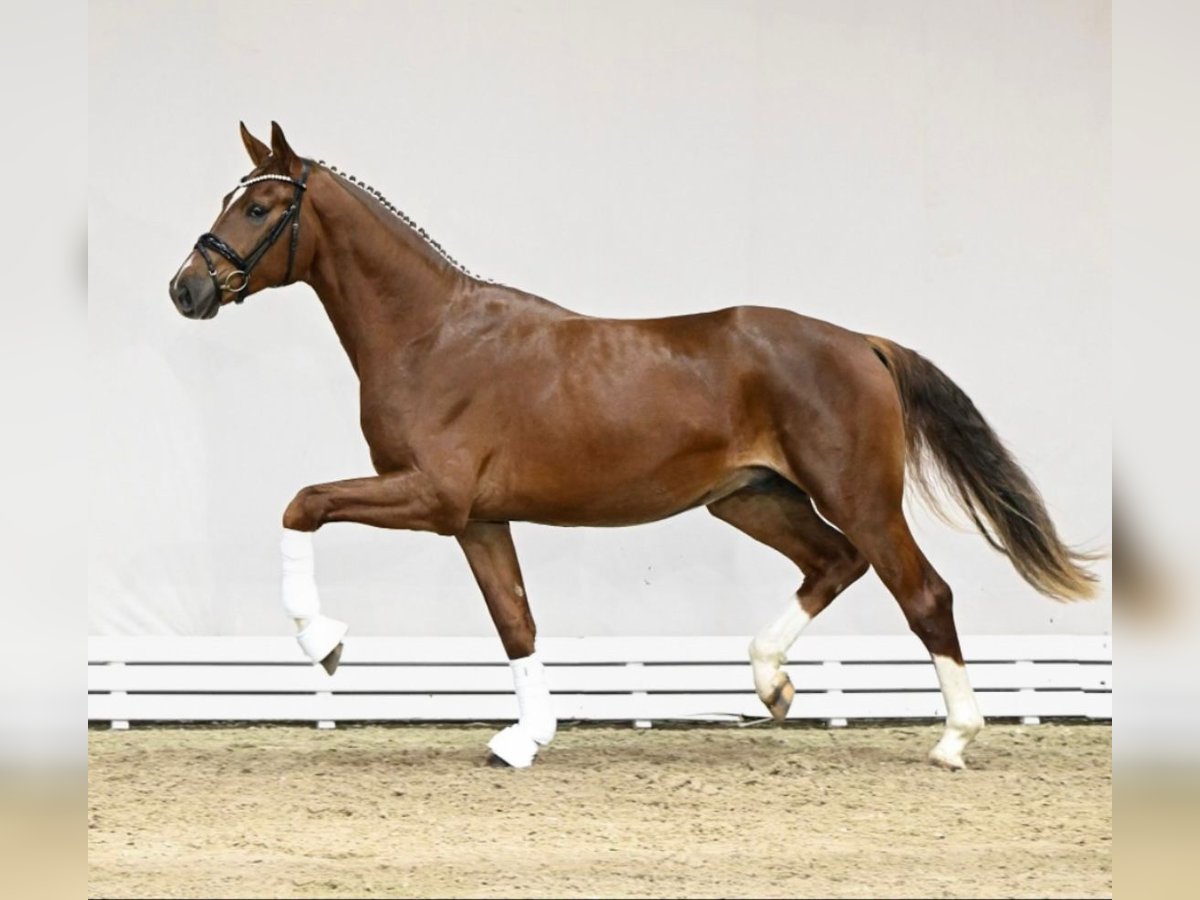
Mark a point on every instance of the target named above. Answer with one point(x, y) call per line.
point(927, 603)
point(780, 515)
point(853, 464)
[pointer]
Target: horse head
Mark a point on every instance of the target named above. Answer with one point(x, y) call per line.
point(255, 241)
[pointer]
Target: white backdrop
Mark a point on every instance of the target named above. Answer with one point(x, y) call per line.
point(932, 172)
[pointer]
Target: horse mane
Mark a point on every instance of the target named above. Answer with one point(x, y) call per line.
point(403, 217)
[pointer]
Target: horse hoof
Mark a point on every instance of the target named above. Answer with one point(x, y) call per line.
point(947, 761)
point(514, 747)
point(330, 662)
point(781, 700)
point(495, 762)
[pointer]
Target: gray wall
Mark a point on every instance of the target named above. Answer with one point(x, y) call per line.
point(933, 172)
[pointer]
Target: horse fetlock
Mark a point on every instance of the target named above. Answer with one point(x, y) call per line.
point(301, 600)
point(774, 688)
point(770, 681)
point(969, 724)
point(541, 728)
point(766, 654)
point(959, 733)
point(948, 753)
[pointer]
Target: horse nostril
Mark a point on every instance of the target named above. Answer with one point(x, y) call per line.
point(184, 299)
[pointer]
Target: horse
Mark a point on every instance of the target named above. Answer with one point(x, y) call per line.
point(483, 405)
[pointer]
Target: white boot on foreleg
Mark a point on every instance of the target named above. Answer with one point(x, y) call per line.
point(320, 637)
point(518, 744)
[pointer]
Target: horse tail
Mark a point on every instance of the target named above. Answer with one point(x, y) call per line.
point(947, 435)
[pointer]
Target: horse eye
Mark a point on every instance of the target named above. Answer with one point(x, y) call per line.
point(256, 211)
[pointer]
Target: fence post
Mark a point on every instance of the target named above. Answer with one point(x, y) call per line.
point(324, 724)
point(1025, 667)
point(834, 667)
point(118, 724)
point(635, 670)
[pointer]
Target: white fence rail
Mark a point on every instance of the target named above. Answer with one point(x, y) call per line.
point(639, 679)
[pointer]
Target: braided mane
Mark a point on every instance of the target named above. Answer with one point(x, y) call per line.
point(405, 218)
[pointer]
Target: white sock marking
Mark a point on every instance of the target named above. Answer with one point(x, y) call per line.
point(963, 720)
point(768, 650)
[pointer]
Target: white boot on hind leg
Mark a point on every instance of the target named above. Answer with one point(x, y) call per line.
point(518, 744)
point(320, 637)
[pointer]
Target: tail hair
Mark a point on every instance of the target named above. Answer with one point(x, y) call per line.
point(947, 436)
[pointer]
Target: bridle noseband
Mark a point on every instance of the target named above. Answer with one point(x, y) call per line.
point(237, 281)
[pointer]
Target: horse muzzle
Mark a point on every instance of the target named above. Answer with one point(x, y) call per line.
point(195, 297)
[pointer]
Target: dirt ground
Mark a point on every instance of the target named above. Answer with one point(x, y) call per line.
point(606, 812)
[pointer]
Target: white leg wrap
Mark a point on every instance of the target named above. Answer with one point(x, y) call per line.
point(768, 650)
point(319, 634)
point(300, 599)
point(963, 720)
point(518, 744)
point(533, 699)
point(514, 746)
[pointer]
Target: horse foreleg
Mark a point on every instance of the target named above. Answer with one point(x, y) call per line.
point(320, 637)
point(493, 559)
point(407, 500)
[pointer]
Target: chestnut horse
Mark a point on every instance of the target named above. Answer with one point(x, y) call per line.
point(483, 404)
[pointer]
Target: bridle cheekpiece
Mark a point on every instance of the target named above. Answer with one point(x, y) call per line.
point(237, 281)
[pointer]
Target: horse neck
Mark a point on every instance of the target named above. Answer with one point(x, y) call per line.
point(382, 285)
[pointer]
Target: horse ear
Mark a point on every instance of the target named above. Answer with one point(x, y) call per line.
point(257, 149)
point(279, 145)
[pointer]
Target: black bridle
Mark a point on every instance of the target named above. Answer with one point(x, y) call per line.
point(243, 267)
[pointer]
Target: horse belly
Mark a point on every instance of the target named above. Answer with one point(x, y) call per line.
point(628, 480)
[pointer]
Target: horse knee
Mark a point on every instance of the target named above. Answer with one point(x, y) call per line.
point(306, 511)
